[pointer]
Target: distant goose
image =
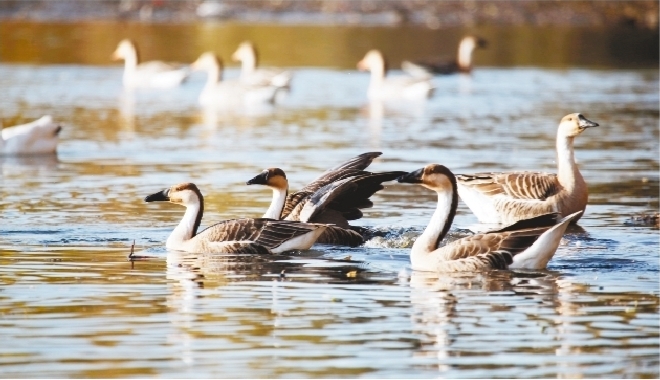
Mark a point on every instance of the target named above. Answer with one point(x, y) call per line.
point(508, 197)
point(462, 63)
point(334, 197)
point(250, 74)
point(155, 74)
point(36, 137)
point(382, 87)
point(219, 92)
point(252, 236)
point(528, 244)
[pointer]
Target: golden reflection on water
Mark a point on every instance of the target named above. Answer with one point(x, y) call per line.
point(325, 46)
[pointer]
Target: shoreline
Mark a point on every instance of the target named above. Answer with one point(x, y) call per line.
point(640, 14)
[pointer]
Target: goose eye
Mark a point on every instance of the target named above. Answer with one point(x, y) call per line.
point(570, 119)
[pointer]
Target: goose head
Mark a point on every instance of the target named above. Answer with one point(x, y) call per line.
point(125, 49)
point(245, 51)
point(272, 177)
point(186, 194)
point(472, 42)
point(433, 176)
point(372, 61)
point(573, 124)
point(207, 61)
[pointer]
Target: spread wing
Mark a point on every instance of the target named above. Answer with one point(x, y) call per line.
point(345, 197)
point(516, 185)
point(352, 167)
point(265, 232)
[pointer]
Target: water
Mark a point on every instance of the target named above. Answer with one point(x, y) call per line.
point(72, 305)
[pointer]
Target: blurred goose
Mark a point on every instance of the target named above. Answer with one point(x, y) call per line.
point(36, 137)
point(229, 92)
point(250, 74)
point(508, 197)
point(253, 236)
point(334, 197)
point(157, 74)
point(400, 87)
point(528, 244)
point(462, 63)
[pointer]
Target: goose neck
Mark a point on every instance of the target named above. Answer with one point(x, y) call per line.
point(277, 203)
point(130, 60)
point(465, 55)
point(441, 221)
point(187, 228)
point(567, 171)
point(248, 64)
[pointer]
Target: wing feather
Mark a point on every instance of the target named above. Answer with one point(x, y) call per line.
point(516, 185)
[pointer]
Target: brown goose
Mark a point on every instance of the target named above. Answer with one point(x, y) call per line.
point(462, 63)
point(335, 197)
point(508, 197)
point(253, 236)
point(528, 244)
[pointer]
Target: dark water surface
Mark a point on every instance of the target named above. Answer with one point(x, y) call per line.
point(72, 305)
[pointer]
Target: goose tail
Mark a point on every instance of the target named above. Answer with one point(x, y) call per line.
point(539, 254)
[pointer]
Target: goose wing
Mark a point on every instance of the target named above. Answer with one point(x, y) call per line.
point(487, 251)
point(349, 168)
point(159, 66)
point(345, 197)
point(268, 233)
point(516, 185)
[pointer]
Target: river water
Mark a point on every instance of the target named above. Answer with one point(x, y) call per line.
point(73, 305)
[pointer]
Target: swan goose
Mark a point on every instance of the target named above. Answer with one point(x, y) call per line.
point(528, 244)
point(37, 137)
point(250, 74)
point(508, 197)
point(382, 87)
point(219, 92)
point(462, 63)
point(335, 197)
point(252, 236)
point(155, 74)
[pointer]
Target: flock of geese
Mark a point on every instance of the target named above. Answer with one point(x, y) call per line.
point(536, 208)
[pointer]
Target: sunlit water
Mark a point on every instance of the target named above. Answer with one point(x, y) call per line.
point(72, 305)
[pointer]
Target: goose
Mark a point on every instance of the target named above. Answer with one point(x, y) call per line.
point(250, 74)
point(528, 244)
point(155, 74)
point(334, 197)
point(218, 92)
point(252, 236)
point(462, 63)
point(37, 137)
point(382, 87)
point(508, 197)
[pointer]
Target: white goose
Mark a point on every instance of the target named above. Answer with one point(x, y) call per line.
point(335, 197)
point(382, 87)
point(253, 236)
point(462, 63)
point(508, 197)
point(250, 74)
point(155, 74)
point(528, 244)
point(36, 137)
point(218, 92)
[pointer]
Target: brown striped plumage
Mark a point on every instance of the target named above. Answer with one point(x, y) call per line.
point(247, 235)
point(508, 197)
point(514, 246)
point(335, 197)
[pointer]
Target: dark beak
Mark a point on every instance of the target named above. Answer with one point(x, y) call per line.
point(161, 196)
point(412, 177)
point(583, 122)
point(260, 179)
